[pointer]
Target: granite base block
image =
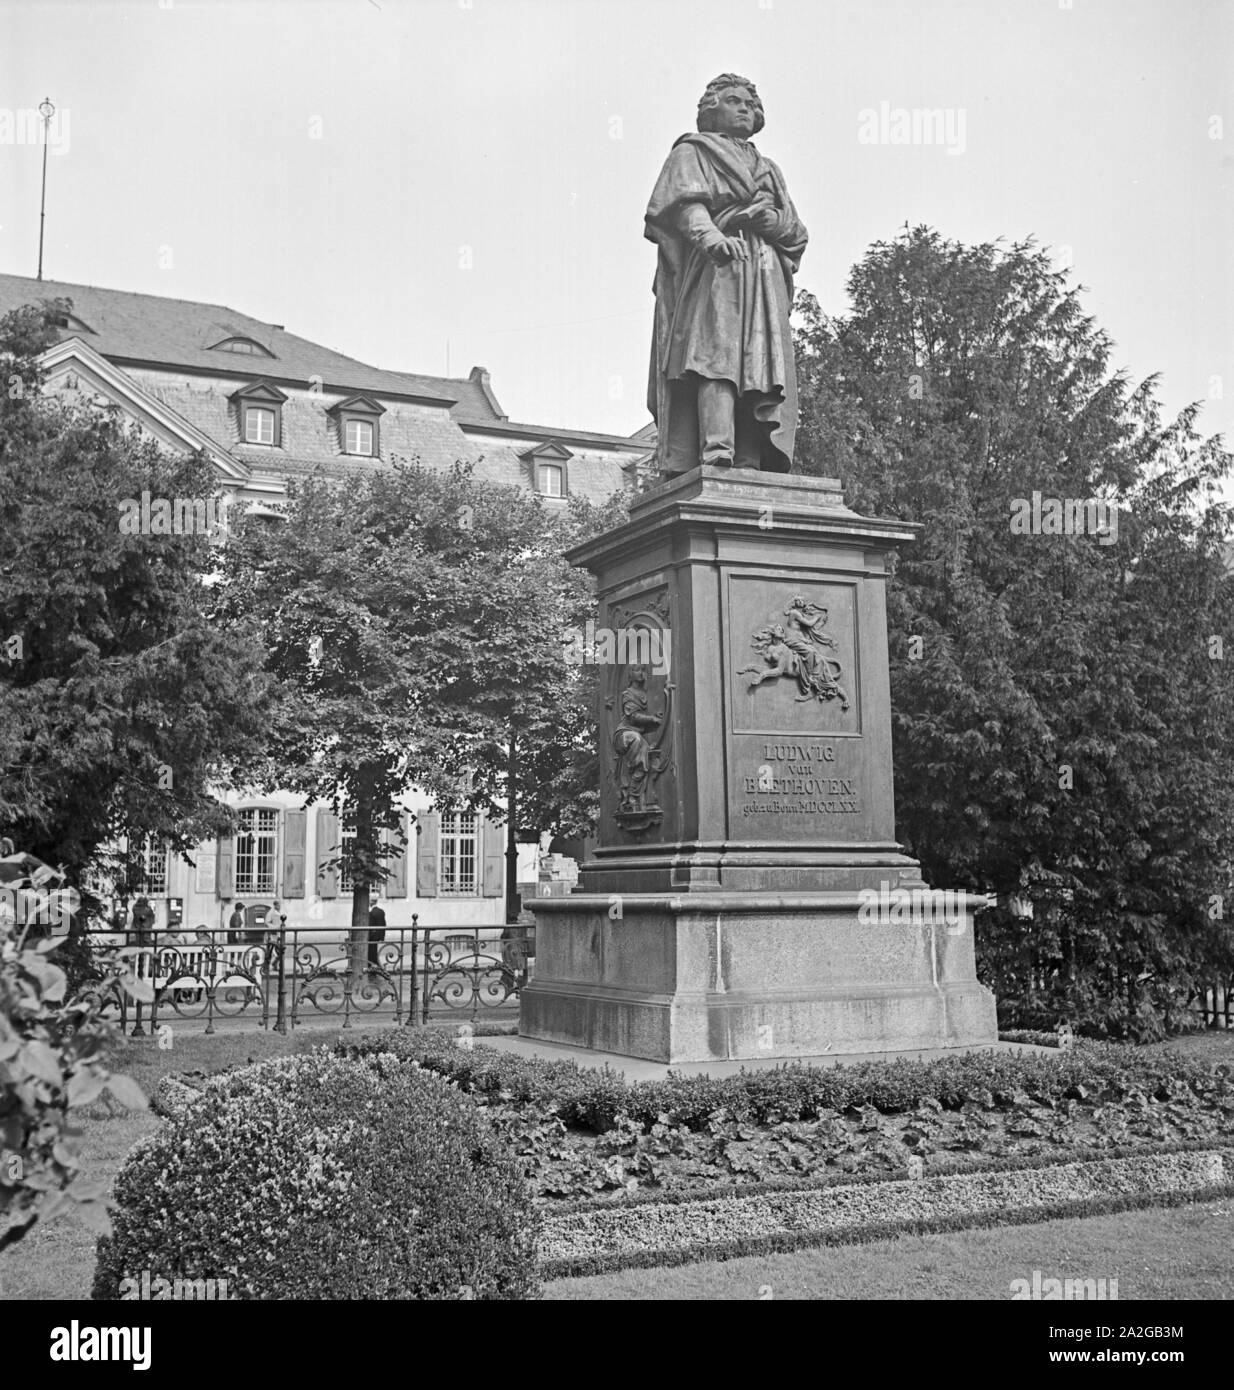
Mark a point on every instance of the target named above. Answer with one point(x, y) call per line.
point(695, 978)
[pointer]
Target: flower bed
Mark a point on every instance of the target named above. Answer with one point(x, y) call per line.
point(592, 1098)
point(587, 1135)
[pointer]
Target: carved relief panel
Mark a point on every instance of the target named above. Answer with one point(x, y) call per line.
point(634, 651)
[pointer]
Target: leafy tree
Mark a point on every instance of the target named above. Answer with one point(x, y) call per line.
point(1062, 729)
point(413, 621)
point(122, 703)
point(551, 781)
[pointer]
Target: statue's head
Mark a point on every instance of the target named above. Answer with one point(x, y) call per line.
point(638, 675)
point(730, 106)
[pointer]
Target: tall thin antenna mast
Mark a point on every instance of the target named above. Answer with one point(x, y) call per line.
point(47, 111)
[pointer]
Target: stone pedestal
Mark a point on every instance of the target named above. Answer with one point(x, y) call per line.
point(747, 897)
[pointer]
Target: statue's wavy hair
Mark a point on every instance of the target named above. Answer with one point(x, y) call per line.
point(710, 100)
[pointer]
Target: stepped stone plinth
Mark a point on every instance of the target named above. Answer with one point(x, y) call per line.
point(747, 898)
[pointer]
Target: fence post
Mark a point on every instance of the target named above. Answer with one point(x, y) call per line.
point(295, 969)
point(475, 977)
point(426, 984)
point(154, 983)
point(399, 987)
point(280, 1020)
point(212, 984)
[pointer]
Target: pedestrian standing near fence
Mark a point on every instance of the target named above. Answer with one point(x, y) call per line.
point(276, 920)
point(143, 921)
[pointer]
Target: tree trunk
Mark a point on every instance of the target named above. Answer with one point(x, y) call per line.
point(513, 903)
point(362, 850)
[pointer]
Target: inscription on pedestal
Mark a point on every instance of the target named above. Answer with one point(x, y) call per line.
point(798, 779)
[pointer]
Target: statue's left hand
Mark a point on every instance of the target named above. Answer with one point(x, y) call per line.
point(728, 248)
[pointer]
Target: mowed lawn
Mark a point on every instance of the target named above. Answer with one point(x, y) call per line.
point(1171, 1253)
point(1185, 1252)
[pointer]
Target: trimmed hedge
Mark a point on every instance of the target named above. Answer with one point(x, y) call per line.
point(595, 1099)
point(320, 1177)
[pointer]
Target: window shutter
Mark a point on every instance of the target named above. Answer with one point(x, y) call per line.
point(224, 877)
point(396, 884)
point(428, 847)
point(295, 827)
point(494, 858)
point(327, 848)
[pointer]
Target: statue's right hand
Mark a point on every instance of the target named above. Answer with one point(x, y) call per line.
point(730, 248)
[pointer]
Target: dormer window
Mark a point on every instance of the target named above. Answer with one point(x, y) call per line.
point(358, 421)
point(547, 468)
point(259, 414)
point(249, 346)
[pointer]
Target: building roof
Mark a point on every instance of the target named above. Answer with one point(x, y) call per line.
point(512, 429)
point(128, 327)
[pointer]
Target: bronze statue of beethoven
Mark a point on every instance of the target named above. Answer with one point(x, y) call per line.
point(723, 388)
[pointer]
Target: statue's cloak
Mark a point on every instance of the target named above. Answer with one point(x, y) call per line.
point(725, 322)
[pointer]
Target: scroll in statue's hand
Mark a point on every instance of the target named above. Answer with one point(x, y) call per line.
point(759, 214)
point(765, 221)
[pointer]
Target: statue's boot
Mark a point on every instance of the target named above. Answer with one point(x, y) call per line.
point(717, 423)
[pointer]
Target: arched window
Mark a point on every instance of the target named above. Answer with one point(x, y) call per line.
point(247, 346)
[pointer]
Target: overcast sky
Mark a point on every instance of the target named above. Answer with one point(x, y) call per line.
point(406, 178)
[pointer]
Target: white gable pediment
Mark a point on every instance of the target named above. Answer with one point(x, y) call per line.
point(99, 382)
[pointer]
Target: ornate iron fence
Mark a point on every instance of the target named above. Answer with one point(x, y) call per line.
point(300, 973)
